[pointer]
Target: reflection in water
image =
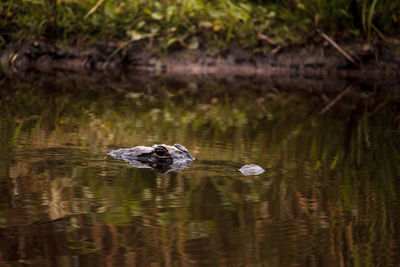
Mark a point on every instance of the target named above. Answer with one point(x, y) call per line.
point(330, 197)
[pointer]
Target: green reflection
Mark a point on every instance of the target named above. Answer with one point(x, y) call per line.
point(329, 196)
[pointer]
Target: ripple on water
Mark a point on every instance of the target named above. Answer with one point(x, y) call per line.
point(330, 198)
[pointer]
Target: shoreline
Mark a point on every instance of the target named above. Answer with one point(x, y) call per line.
point(313, 61)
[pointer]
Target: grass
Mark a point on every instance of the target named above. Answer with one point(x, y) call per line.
point(193, 24)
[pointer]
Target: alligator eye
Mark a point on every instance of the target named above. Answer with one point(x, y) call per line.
point(161, 151)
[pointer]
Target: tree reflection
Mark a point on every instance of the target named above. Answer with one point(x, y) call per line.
point(328, 199)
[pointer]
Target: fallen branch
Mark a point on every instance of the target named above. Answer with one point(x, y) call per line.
point(338, 48)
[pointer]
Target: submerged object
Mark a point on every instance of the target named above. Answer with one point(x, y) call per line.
point(251, 169)
point(161, 158)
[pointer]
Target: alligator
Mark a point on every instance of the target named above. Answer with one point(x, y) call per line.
point(161, 158)
point(165, 158)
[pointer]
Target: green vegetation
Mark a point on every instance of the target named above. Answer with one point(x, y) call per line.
point(173, 24)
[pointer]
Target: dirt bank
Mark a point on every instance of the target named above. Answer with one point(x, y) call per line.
point(313, 61)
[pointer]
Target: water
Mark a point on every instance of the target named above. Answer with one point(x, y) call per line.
point(329, 197)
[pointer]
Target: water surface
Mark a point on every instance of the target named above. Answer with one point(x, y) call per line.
point(329, 197)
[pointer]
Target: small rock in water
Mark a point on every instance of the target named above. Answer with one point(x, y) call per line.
point(251, 169)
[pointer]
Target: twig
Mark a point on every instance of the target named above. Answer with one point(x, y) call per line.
point(337, 47)
point(94, 8)
point(384, 38)
point(377, 108)
point(276, 50)
point(116, 51)
point(336, 99)
point(126, 43)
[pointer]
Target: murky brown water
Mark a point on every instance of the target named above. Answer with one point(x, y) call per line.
point(330, 196)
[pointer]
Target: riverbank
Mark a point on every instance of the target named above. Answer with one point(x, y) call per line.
point(316, 60)
point(356, 38)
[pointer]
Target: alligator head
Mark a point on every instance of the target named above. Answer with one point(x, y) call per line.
point(161, 158)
